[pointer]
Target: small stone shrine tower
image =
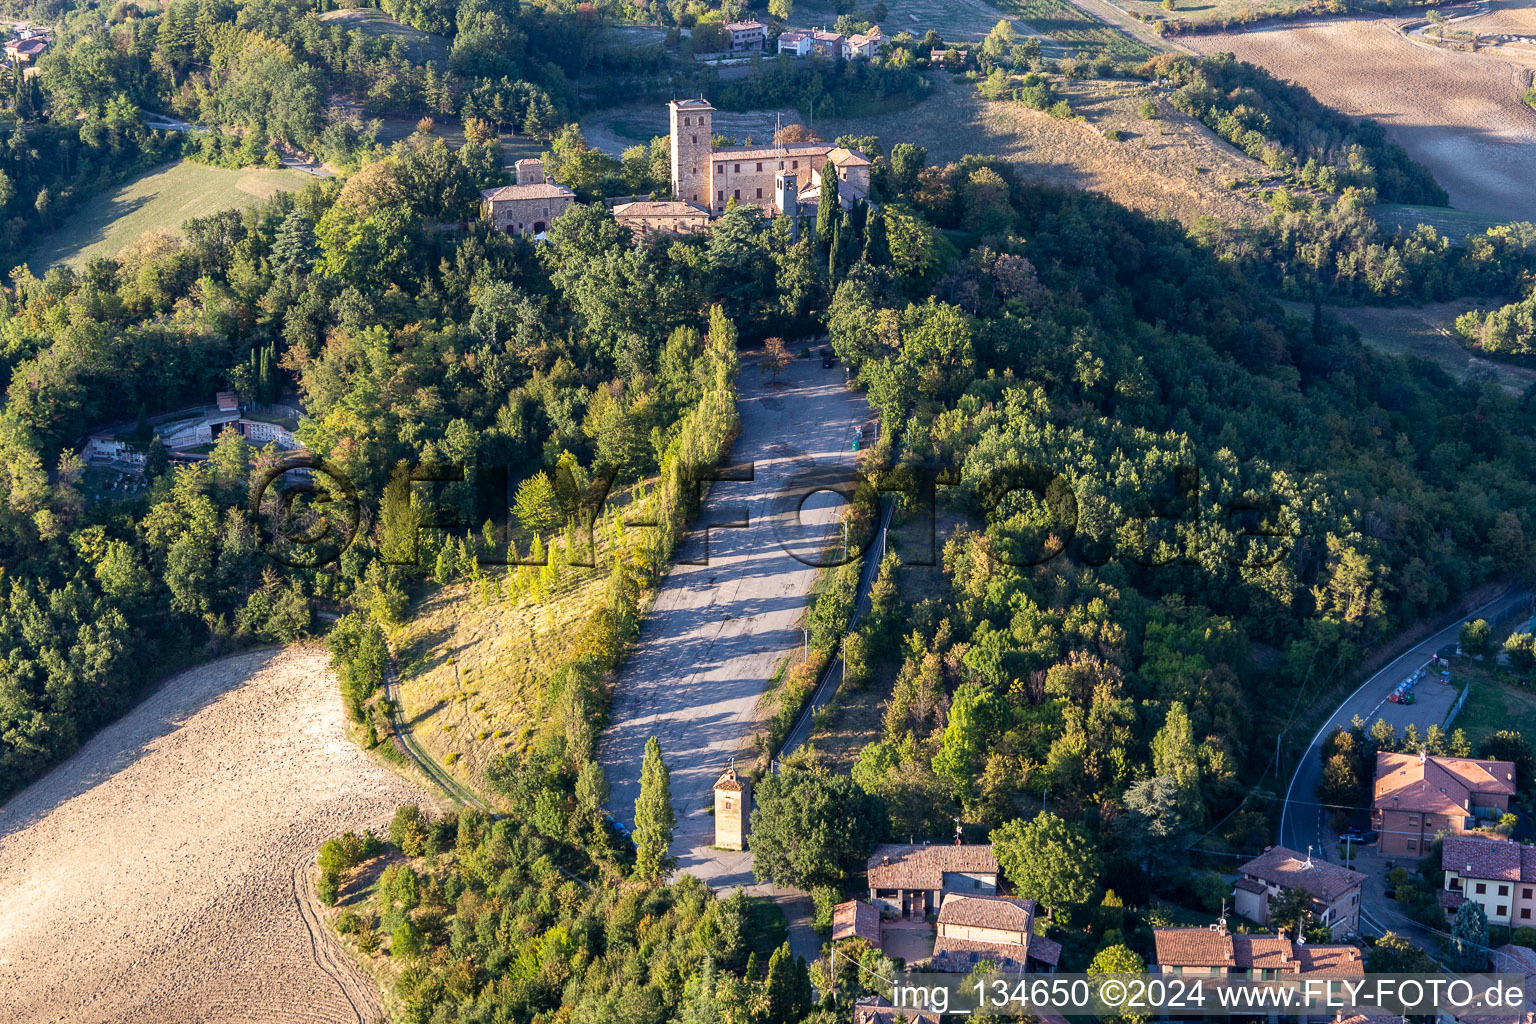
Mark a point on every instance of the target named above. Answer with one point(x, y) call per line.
point(733, 808)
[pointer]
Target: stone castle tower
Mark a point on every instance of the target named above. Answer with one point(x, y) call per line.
point(693, 151)
point(733, 808)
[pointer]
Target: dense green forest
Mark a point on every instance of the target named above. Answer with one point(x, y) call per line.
point(1131, 650)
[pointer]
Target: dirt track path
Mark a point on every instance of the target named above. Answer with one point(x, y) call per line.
point(718, 629)
point(164, 872)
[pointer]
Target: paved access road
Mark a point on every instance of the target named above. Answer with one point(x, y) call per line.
point(718, 630)
point(1303, 822)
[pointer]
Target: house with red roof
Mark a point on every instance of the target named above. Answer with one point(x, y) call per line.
point(1335, 890)
point(1419, 797)
point(1496, 873)
point(1215, 952)
point(999, 930)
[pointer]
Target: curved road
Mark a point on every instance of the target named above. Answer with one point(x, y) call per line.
point(1302, 819)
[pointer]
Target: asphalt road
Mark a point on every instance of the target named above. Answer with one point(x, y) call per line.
point(1303, 821)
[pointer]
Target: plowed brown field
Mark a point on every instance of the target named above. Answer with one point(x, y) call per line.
point(163, 873)
point(1457, 113)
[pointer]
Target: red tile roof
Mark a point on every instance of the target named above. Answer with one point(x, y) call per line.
point(876, 1010)
point(900, 866)
point(1203, 947)
point(1438, 785)
point(960, 956)
point(1290, 870)
point(1515, 959)
point(545, 190)
point(1331, 960)
point(1002, 912)
point(1193, 947)
point(1483, 857)
point(855, 920)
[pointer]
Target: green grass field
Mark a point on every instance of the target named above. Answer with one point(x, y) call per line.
point(1494, 705)
point(1453, 224)
point(164, 198)
point(421, 46)
point(1078, 32)
point(1197, 11)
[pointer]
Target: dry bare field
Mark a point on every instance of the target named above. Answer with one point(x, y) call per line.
point(1173, 166)
point(1457, 113)
point(163, 872)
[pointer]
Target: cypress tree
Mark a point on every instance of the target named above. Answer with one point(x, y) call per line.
point(847, 244)
point(826, 210)
point(654, 817)
point(877, 247)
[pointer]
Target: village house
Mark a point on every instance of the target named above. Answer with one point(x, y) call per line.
point(949, 58)
point(26, 45)
point(747, 35)
point(646, 218)
point(779, 179)
point(856, 919)
point(1215, 952)
point(996, 929)
point(1418, 797)
point(878, 1010)
point(530, 206)
point(911, 880)
point(1496, 873)
point(864, 45)
point(1335, 890)
point(796, 43)
point(827, 44)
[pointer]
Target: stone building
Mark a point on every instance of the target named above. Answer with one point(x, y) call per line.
point(648, 218)
point(777, 178)
point(910, 880)
point(1335, 890)
point(530, 206)
point(747, 35)
point(733, 808)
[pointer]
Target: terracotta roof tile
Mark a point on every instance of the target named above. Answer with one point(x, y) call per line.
point(1437, 785)
point(1192, 947)
point(901, 866)
point(507, 193)
point(1330, 960)
point(856, 920)
point(1483, 857)
point(1515, 959)
point(987, 912)
point(876, 1010)
point(1290, 870)
point(960, 956)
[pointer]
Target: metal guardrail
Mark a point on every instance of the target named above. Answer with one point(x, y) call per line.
point(825, 689)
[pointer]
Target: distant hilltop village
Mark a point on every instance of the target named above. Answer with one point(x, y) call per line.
point(778, 179)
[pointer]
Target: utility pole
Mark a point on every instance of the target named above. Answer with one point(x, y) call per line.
point(806, 637)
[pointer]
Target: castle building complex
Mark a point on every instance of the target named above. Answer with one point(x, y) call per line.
point(780, 179)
